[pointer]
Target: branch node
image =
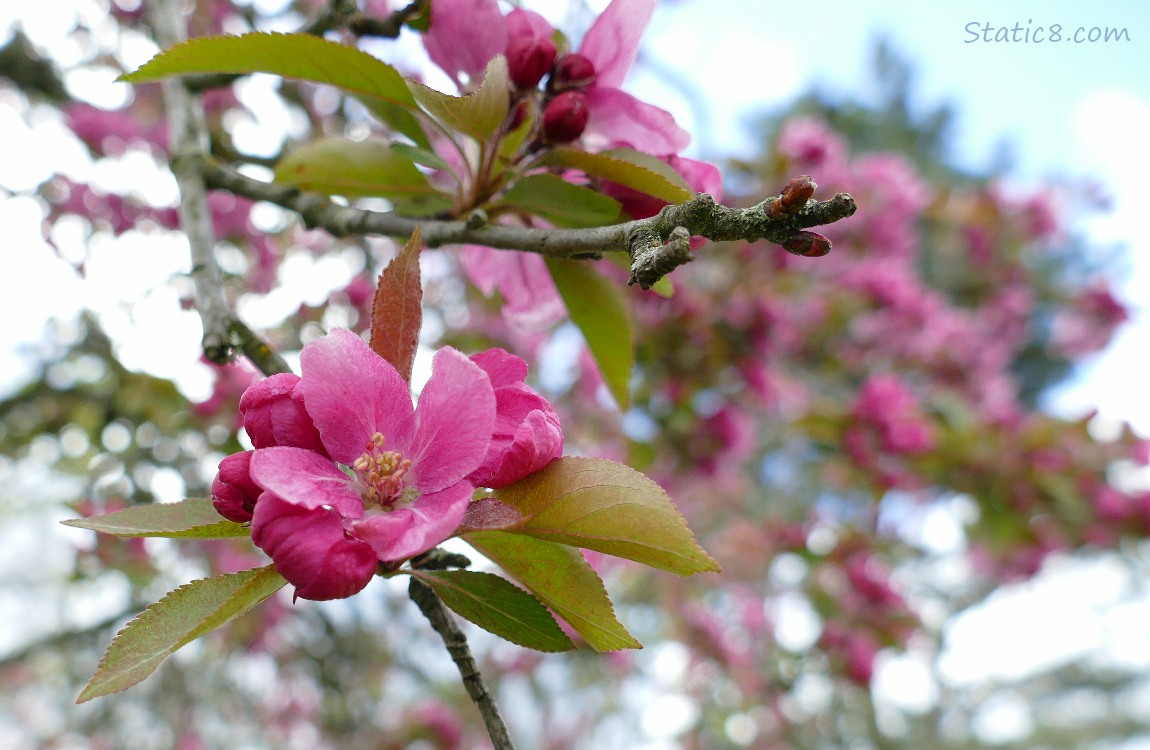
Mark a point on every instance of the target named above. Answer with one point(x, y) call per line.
point(477, 219)
point(651, 260)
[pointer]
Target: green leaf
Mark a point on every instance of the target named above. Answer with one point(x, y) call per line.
point(560, 202)
point(299, 56)
point(304, 57)
point(596, 306)
point(397, 309)
point(563, 580)
point(339, 166)
point(622, 171)
point(421, 156)
point(610, 508)
point(478, 114)
point(498, 607)
point(182, 616)
point(647, 161)
point(195, 518)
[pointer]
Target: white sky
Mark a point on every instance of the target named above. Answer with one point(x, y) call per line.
point(1068, 109)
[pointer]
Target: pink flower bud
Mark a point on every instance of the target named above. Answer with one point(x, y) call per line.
point(796, 193)
point(565, 117)
point(274, 415)
point(807, 244)
point(234, 494)
point(529, 59)
point(573, 71)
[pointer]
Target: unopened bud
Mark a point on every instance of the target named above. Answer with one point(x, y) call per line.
point(529, 59)
point(807, 244)
point(573, 72)
point(796, 193)
point(565, 117)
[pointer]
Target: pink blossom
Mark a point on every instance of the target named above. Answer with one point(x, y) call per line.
point(395, 483)
point(527, 434)
point(530, 300)
point(111, 131)
point(886, 405)
point(1088, 323)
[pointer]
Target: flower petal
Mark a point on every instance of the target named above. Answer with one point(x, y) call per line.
point(305, 479)
point(406, 532)
point(452, 424)
point(501, 366)
point(274, 414)
point(311, 550)
point(352, 393)
point(526, 435)
point(464, 35)
point(613, 40)
point(530, 300)
point(527, 23)
point(617, 118)
point(538, 441)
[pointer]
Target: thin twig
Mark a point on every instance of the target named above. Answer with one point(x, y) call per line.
point(441, 620)
point(700, 216)
point(390, 27)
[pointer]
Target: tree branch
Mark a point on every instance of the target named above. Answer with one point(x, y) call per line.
point(188, 144)
point(436, 613)
point(643, 239)
point(362, 25)
point(188, 140)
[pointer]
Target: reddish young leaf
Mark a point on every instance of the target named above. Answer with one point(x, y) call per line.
point(397, 312)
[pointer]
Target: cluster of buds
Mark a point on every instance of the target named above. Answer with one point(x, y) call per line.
point(565, 111)
point(794, 197)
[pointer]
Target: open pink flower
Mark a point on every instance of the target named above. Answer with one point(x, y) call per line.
point(390, 481)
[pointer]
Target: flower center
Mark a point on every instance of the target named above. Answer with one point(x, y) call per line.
point(381, 474)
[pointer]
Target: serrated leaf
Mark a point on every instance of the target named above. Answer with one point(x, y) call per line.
point(397, 310)
point(340, 166)
point(480, 113)
point(194, 518)
point(647, 161)
point(607, 507)
point(498, 607)
point(597, 307)
point(562, 580)
point(182, 616)
point(377, 85)
point(299, 56)
point(560, 202)
point(622, 171)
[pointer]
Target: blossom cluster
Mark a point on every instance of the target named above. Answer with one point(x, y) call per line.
point(346, 475)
